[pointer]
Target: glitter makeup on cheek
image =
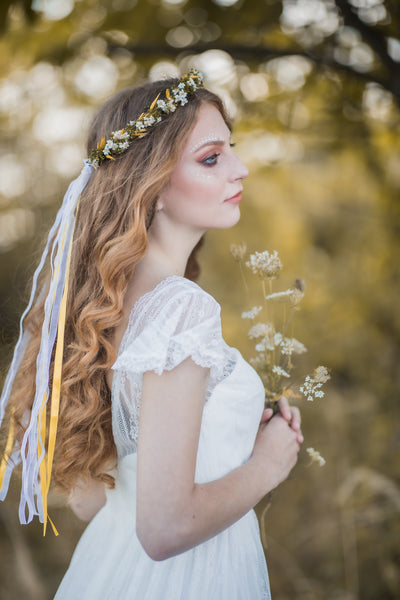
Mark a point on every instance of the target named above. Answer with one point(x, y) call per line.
point(200, 172)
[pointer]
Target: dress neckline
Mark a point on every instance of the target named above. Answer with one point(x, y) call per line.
point(156, 288)
point(140, 301)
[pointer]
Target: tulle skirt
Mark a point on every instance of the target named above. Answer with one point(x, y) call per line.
point(109, 562)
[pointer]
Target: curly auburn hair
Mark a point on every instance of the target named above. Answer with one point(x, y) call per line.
point(115, 212)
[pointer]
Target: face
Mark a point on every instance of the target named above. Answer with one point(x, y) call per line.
point(205, 187)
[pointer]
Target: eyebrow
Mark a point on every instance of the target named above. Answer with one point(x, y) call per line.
point(215, 142)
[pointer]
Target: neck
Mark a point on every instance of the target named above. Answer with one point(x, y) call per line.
point(168, 251)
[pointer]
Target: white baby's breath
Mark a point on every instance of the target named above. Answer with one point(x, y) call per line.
point(251, 314)
point(260, 330)
point(312, 385)
point(264, 264)
point(291, 346)
point(280, 371)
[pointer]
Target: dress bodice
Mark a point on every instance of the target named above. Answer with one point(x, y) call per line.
point(175, 320)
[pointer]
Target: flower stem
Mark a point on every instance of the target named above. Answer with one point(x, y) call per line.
point(287, 322)
point(245, 284)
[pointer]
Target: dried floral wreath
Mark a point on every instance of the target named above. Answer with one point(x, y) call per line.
point(120, 140)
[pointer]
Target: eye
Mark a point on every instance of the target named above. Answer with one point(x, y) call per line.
point(210, 161)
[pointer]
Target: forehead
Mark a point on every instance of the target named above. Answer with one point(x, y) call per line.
point(209, 126)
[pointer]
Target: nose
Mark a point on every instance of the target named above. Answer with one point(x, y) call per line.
point(239, 169)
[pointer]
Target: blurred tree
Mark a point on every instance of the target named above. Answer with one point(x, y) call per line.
point(359, 38)
point(314, 89)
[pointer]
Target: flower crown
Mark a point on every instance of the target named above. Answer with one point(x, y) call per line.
point(120, 140)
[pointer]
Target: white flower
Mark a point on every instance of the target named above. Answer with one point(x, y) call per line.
point(171, 106)
point(140, 125)
point(298, 347)
point(321, 374)
point(252, 313)
point(264, 264)
point(180, 95)
point(199, 75)
point(312, 385)
point(149, 121)
point(291, 345)
point(280, 371)
point(279, 295)
point(120, 135)
point(316, 457)
point(110, 145)
point(161, 104)
point(266, 343)
point(270, 341)
point(260, 330)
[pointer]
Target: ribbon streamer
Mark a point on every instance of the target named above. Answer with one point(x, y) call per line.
point(36, 466)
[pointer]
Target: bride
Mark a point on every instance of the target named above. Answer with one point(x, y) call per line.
point(162, 440)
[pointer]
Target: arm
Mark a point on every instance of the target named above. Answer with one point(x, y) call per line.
point(174, 513)
point(87, 499)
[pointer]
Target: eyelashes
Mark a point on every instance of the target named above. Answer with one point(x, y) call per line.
point(210, 161)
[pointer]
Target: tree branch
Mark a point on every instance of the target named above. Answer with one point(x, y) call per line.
point(257, 53)
point(371, 35)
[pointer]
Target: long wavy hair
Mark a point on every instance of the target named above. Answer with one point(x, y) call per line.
point(115, 213)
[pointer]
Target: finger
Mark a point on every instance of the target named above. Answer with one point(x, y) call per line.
point(284, 408)
point(300, 438)
point(267, 414)
point(296, 418)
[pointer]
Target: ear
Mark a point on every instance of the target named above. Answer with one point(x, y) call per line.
point(158, 203)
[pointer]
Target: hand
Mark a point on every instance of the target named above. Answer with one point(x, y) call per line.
point(291, 414)
point(275, 451)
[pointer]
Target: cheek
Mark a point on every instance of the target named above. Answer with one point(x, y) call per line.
point(196, 179)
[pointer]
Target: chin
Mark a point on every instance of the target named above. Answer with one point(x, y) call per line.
point(221, 221)
point(233, 219)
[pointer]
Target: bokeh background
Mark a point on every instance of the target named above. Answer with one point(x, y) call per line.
point(314, 89)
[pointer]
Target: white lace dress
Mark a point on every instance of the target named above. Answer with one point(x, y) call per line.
point(175, 320)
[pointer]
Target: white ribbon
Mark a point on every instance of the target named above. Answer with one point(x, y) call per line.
point(62, 229)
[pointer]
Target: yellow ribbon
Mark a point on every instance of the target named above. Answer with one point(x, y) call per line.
point(47, 464)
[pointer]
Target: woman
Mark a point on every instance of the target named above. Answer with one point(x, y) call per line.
point(169, 494)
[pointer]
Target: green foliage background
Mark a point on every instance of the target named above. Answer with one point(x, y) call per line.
point(315, 91)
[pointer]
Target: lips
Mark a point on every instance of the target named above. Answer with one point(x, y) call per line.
point(235, 199)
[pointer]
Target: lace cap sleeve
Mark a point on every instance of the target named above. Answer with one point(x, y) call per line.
point(188, 325)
